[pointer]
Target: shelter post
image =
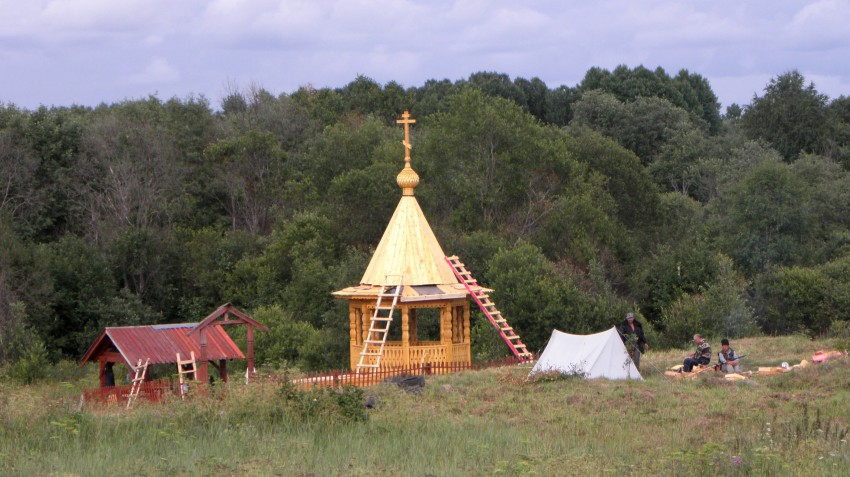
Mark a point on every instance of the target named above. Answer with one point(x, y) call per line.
point(405, 335)
point(222, 369)
point(353, 326)
point(202, 369)
point(102, 372)
point(250, 348)
point(446, 331)
point(466, 330)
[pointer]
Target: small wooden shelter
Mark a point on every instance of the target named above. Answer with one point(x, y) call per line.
point(409, 251)
point(225, 315)
point(160, 344)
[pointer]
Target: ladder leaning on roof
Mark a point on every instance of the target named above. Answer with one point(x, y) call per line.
point(489, 308)
point(138, 379)
point(186, 366)
point(373, 345)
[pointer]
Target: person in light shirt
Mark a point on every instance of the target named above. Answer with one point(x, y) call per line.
point(701, 356)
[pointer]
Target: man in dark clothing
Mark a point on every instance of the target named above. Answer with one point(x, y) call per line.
point(632, 333)
point(729, 360)
point(701, 356)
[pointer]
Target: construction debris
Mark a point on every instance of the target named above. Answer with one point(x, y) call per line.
point(821, 356)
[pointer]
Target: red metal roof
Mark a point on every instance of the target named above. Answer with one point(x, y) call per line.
point(161, 343)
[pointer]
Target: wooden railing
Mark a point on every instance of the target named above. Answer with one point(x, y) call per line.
point(150, 390)
point(337, 379)
point(424, 352)
point(165, 389)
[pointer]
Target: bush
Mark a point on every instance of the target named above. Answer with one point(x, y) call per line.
point(324, 405)
point(840, 331)
point(792, 299)
point(32, 366)
point(487, 345)
point(682, 319)
point(726, 303)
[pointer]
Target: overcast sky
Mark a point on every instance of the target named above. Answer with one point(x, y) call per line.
point(63, 52)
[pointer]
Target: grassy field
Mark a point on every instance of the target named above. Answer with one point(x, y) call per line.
point(490, 422)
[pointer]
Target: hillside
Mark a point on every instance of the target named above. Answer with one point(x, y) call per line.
point(490, 422)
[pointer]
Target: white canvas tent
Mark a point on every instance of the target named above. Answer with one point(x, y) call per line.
point(600, 355)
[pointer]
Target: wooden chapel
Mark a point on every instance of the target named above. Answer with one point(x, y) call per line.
point(409, 252)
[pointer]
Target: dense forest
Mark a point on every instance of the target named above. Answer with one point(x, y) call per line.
point(629, 191)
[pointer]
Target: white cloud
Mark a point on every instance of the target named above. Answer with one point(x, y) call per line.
point(820, 24)
point(158, 70)
point(190, 44)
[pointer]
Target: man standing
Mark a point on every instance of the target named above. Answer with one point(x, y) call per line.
point(729, 360)
point(701, 356)
point(632, 333)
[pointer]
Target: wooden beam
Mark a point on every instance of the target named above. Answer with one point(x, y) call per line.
point(202, 369)
point(250, 349)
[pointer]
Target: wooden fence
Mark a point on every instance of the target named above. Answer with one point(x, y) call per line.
point(155, 391)
point(168, 388)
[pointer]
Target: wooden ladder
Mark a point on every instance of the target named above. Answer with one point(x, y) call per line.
point(191, 367)
point(373, 345)
point(489, 308)
point(138, 379)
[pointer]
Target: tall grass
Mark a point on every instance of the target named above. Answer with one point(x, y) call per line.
point(490, 422)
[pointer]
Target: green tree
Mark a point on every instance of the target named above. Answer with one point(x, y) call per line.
point(374, 194)
point(699, 99)
point(680, 165)
point(625, 179)
point(679, 262)
point(793, 299)
point(559, 101)
point(26, 290)
point(252, 171)
point(688, 91)
point(432, 97)
point(837, 144)
point(535, 93)
point(534, 298)
point(131, 176)
point(683, 318)
point(325, 106)
point(364, 96)
point(281, 345)
point(825, 201)
point(725, 302)
point(791, 116)
point(147, 263)
point(208, 258)
point(497, 85)
point(54, 137)
point(257, 110)
point(340, 148)
point(643, 126)
point(82, 283)
point(766, 222)
point(485, 163)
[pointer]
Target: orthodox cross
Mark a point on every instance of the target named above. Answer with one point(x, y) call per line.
point(405, 119)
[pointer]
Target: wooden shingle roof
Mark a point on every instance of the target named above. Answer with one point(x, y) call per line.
point(409, 247)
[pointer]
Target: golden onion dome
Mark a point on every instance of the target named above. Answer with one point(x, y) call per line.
point(407, 179)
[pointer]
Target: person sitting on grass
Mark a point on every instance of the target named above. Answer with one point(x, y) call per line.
point(729, 360)
point(701, 356)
